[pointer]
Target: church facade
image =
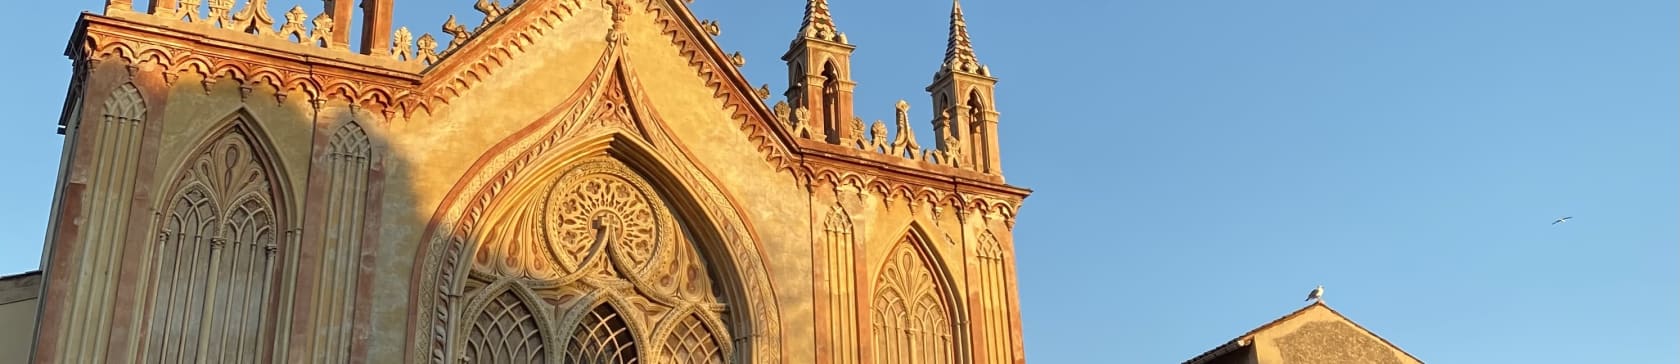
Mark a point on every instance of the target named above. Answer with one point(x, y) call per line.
point(566, 181)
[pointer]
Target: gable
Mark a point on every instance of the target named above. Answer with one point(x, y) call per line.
point(535, 47)
point(1318, 334)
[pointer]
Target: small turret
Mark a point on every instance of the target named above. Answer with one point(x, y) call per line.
point(820, 75)
point(964, 109)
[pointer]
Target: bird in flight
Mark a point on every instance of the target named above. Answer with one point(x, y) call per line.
point(1562, 220)
point(1316, 294)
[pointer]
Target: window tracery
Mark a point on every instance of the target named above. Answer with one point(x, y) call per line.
point(692, 342)
point(215, 259)
point(599, 229)
point(602, 337)
point(505, 331)
point(909, 316)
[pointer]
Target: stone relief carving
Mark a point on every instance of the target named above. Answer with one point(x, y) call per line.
point(909, 316)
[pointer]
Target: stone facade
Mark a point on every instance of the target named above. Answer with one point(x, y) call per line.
point(567, 181)
point(1315, 334)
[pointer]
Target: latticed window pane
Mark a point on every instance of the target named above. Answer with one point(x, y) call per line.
point(691, 342)
point(505, 332)
point(602, 337)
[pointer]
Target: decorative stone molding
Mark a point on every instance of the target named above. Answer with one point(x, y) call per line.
point(912, 191)
point(707, 59)
point(598, 109)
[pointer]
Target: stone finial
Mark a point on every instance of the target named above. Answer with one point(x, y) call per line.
point(763, 92)
point(402, 45)
point(190, 8)
point(738, 59)
point(905, 145)
point(959, 51)
point(322, 33)
point(458, 33)
point(818, 24)
point(856, 138)
point(802, 122)
point(492, 9)
point(253, 18)
point(953, 154)
point(877, 137)
point(711, 27)
point(293, 27)
point(427, 51)
point(782, 112)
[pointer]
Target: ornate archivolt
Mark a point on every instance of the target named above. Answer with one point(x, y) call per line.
point(597, 237)
point(217, 262)
point(559, 208)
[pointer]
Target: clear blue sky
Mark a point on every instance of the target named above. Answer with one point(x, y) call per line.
point(1200, 165)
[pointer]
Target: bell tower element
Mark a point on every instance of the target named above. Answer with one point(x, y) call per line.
point(964, 109)
point(820, 74)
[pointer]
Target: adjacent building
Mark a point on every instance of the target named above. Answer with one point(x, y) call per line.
point(1315, 334)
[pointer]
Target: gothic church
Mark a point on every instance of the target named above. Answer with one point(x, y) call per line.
point(568, 181)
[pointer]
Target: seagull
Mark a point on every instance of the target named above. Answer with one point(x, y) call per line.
point(1316, 294)
point(1562, 220)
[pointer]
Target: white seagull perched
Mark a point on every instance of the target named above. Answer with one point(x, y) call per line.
point(1562, 220)
point(1316, 294)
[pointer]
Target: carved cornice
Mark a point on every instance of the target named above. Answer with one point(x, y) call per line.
point(916, 188)
point(177, 53)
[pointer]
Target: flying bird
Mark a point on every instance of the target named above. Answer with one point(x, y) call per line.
point(1316, 294)
point(1562, 220)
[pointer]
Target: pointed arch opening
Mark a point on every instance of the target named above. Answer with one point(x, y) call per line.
point(508, 325)
point(831, 101)
point(602, 336)
point(218, 265)
point(979, 133)
point(603, 213)
point(913, 312)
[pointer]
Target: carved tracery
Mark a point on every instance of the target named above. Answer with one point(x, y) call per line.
point(600, 229)
point(602, 337)
point(506, 330)
point(911, 321)
point(215, 266)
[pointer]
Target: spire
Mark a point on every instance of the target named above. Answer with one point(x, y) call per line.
point(818, 24)
point(959, 52)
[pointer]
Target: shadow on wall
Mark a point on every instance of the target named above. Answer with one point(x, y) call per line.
point(213, 218)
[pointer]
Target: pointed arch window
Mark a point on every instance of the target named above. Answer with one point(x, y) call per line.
point(692, 342)
point(215, 267)
point(505, 331)
point(910, 320)
point(602, 337)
